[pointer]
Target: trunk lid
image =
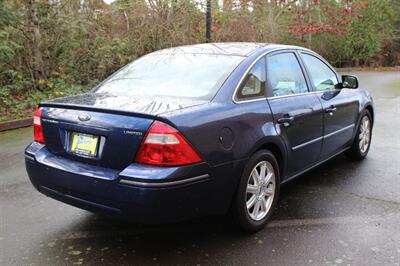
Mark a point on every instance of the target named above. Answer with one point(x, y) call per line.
point(117, 123)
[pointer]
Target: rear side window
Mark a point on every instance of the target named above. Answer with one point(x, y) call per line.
point(284, 75)
point(253, 85)
point(323, 78)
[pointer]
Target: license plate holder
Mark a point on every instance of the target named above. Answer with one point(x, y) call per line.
point(83, 144)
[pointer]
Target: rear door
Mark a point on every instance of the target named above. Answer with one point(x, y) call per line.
point(340, 105)
point(297, 112)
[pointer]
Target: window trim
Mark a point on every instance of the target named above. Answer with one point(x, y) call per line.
point(236, 101)
point(292, 95)
point(305, 75)
point(298, 51)
point(309, 73)
point(246, 79)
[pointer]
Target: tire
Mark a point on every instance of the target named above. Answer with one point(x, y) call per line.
point(264, 194)
point(359, 151)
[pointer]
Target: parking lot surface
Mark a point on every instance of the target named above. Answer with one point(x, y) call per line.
point(342, 213)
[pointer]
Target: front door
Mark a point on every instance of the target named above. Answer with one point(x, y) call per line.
point(340, 105)
point(298, 114)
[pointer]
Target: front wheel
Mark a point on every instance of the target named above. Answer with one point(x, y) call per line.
point(362, 141)
point(258, 191)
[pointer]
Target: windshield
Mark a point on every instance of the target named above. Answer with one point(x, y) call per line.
point(196, 76)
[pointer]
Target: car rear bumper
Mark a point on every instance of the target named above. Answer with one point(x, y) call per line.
point(139, 193)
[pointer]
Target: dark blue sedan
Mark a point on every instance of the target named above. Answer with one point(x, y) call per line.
point(198, 130)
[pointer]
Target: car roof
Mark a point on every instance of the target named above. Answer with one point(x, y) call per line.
point(226, 48)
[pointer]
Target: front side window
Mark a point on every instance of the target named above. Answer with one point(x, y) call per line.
point(323, 78)
point(195, 76)
point(253, 85)
point(284, 75)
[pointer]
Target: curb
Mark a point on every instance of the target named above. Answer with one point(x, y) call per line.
point(14, 124)
point(366, 69)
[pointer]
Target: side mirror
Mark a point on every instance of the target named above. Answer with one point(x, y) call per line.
point(349, 82)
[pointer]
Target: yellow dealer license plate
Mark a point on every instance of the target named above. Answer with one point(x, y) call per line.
point(84, 144)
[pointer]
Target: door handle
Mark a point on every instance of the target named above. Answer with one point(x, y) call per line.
point(331, 109)
point(285, 120)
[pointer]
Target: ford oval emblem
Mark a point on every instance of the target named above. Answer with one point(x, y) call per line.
point(84, 117)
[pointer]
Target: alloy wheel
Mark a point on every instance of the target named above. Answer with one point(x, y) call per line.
point(365, 134)
point(260, 190)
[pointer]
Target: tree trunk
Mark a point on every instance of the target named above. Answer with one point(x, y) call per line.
point(309, 37)
point(38, 70)
point(271, 23)
point(127, 22)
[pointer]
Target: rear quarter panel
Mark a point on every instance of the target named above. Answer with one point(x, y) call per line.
point(227, 134)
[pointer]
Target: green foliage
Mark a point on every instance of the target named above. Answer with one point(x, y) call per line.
point(51, 49)
point(369, 31)
point(7, 48)
point(19, 99)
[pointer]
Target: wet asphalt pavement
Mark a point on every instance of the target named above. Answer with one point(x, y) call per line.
point(342, 213)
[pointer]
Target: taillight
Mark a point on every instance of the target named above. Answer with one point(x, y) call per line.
point(37, 126)
point(163, 145)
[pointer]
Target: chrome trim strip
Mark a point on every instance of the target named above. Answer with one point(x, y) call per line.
point(253, 100)
point(302, 49)
point(299, 94)
point(314, 166)
point(30, 157)
point(322, 137)
point(306, 143)
point(164, 184)
point(338, 131)
point(292, 95)
point(50, 121)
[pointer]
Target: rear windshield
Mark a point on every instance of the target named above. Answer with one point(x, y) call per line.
point(196, 76)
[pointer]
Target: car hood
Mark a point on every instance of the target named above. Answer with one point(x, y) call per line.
point(152, 105)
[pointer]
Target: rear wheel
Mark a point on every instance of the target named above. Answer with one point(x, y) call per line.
point(362, 141)
point(258, 191)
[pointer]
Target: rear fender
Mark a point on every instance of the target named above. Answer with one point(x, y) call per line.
point(275, 145)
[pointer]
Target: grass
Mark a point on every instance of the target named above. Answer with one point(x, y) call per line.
point(395, 85)
point(8, 116)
